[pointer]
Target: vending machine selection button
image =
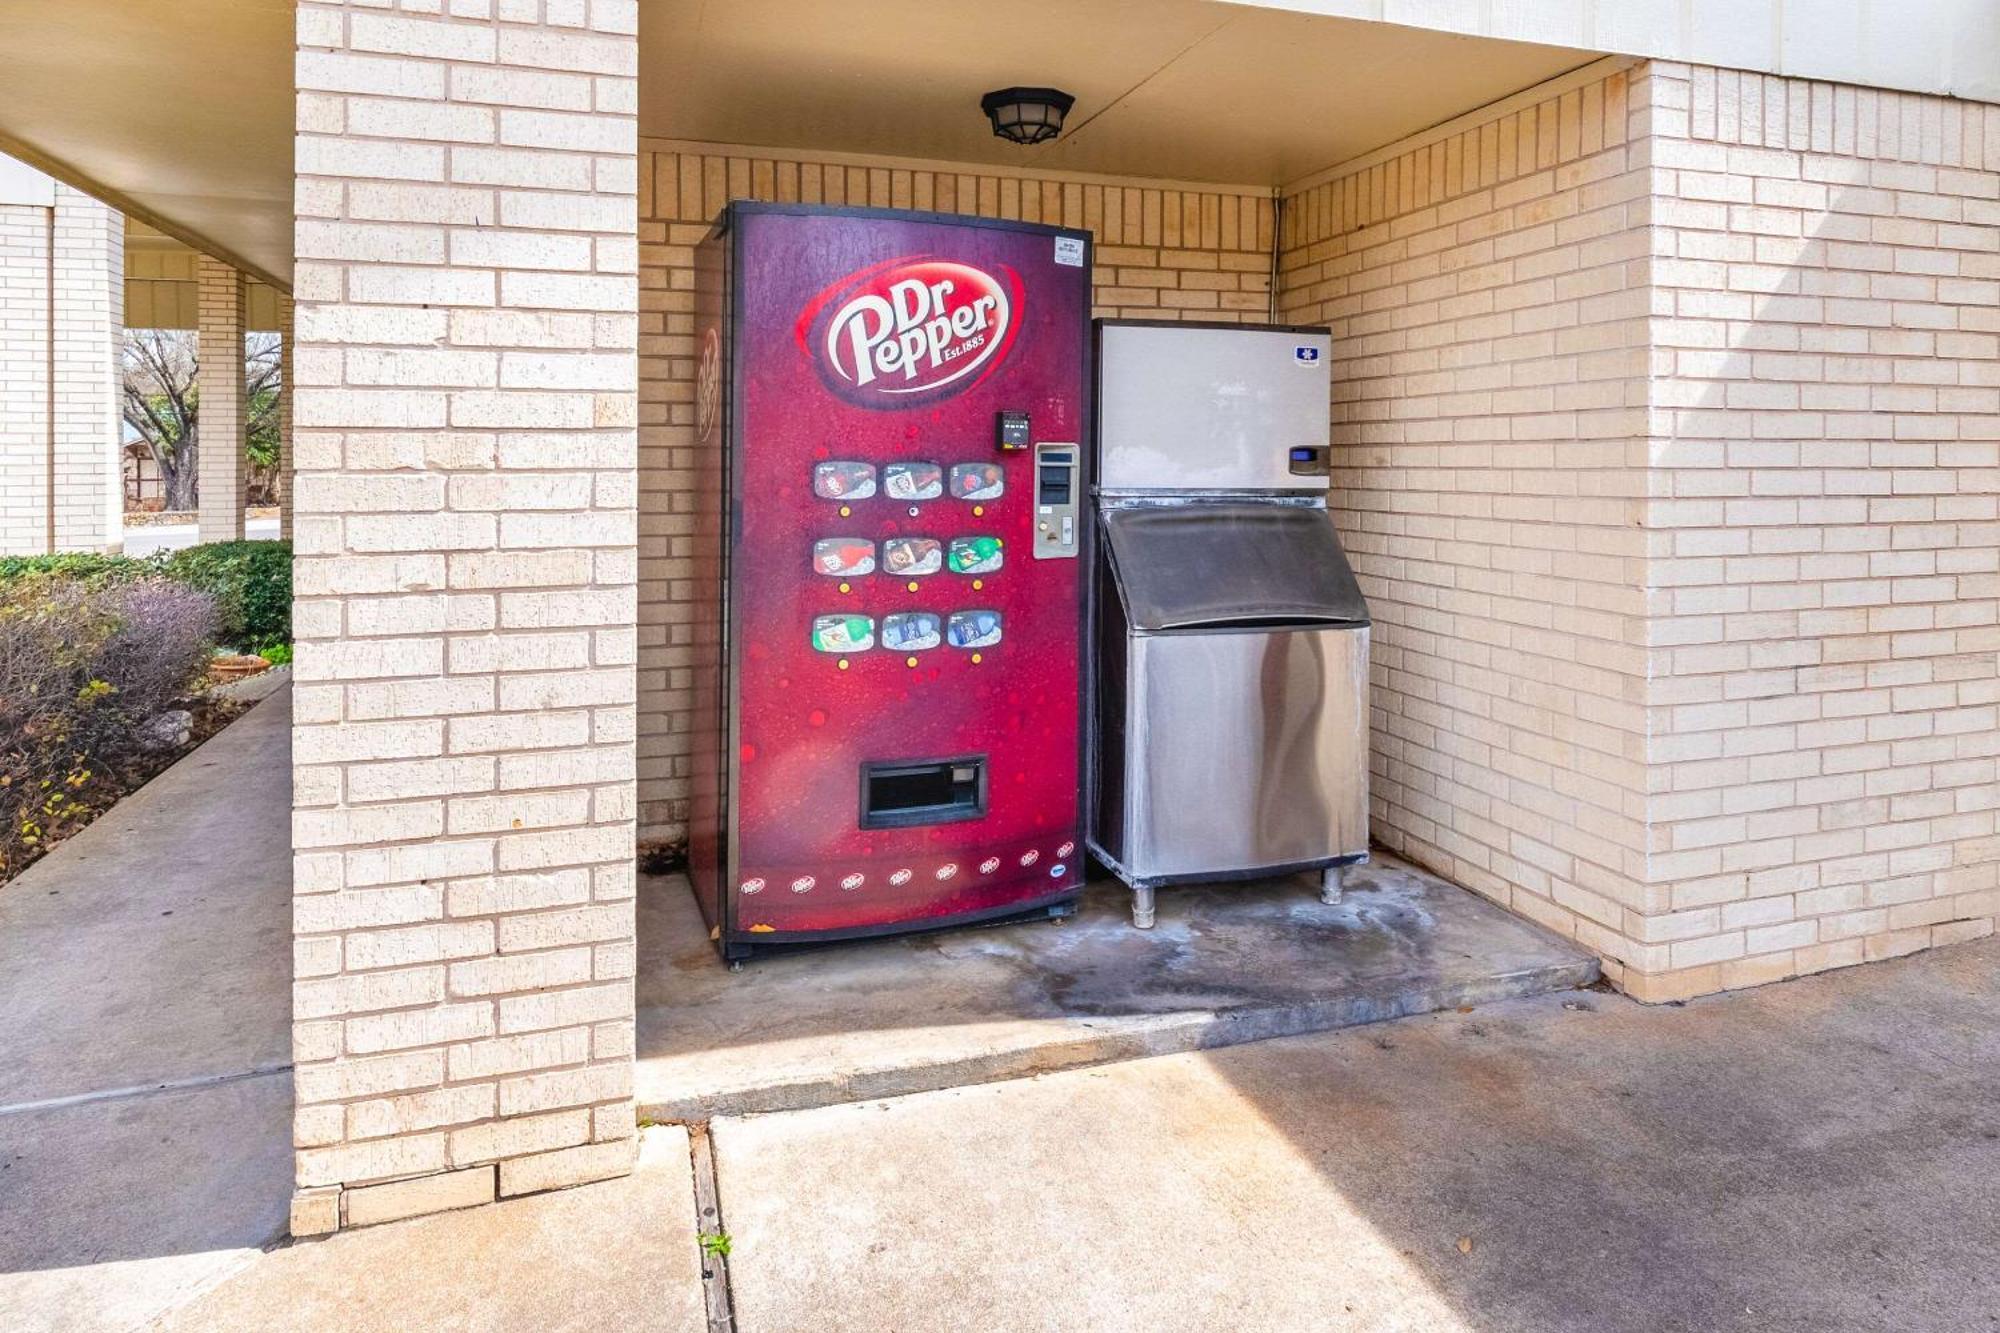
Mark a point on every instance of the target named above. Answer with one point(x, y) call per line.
point(843, 634)
point(844, 480)
point(841, 557)
point(978, 481)
point(974, 555)
point(912, 631)
point(973, 629)
point(912, 555)
point(913, 481)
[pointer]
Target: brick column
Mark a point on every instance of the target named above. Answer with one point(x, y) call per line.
point(24, 378)
point(467, 405)
point(284, 486)
point(88, 296)
point(62, 299)
point(223, 413)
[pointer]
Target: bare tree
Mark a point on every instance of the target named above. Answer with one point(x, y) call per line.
point(260, 437)
point(162, 405)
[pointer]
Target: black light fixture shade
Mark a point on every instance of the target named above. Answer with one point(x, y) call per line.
point(1027, 115)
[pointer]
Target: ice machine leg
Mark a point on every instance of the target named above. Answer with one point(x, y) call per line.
point(1142, 907)
point(1331, 882)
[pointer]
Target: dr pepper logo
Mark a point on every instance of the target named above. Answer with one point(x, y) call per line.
point(911, 330)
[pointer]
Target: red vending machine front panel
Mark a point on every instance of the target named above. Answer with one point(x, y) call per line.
point(904, 417)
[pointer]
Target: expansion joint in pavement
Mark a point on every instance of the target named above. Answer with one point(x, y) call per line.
point(711, 1235)
point(142, 1090)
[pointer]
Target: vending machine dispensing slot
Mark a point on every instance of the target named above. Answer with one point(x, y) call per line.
point(889, 636)
point(899, 795)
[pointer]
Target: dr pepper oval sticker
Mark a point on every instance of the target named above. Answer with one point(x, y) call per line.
point(912, 330)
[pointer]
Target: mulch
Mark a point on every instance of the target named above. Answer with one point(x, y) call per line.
point(119, 776)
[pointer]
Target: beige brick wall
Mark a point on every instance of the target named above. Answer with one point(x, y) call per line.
point(1668, 424)
point(24, 379)
point(1486, 288)
point(464, 520)
point(61, 321)
point(1162, 252)
point(1826, 672)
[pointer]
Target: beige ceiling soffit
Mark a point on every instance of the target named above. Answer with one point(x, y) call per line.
point(70, 176)
point(1583, 74)
point(1155, 73)
point(649, 142)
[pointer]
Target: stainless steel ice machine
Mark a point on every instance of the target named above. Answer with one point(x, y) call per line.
point(1230, 735)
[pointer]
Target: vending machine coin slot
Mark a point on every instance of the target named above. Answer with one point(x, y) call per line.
point(1055, 502)
point(898, 794)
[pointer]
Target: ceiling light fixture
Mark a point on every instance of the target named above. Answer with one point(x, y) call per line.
point(1027, 115)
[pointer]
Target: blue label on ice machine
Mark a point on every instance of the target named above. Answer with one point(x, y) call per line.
point(1306, 356)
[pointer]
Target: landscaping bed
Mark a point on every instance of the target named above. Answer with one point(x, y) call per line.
point(107, 668)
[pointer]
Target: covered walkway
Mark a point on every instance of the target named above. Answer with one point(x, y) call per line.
point(145, 976)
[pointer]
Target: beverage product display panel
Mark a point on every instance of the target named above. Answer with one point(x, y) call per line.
point(905, 622)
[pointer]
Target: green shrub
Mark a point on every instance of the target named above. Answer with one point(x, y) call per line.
point(251, 583)
point(277, 654)
point(78, 565)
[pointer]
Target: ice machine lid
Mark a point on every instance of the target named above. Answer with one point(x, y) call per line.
point(1215, 564)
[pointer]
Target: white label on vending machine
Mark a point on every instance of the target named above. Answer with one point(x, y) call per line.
point(1069, 251)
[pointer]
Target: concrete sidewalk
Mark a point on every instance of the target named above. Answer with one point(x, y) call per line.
point(145, 1086)
point(146, 1104)
point(1820, 1155)
point(152, 538)
point(619, 1255)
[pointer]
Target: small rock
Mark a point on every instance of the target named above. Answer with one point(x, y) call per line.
point(166, 731)
point(1465, 1245)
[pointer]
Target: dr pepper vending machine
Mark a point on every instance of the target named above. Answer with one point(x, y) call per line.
point(890, 415)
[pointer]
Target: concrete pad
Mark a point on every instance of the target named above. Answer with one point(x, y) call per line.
point(617, 1255)
point(155, 946)
point(1818, 1155)
point(112, 1213)
point(1226, 964)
